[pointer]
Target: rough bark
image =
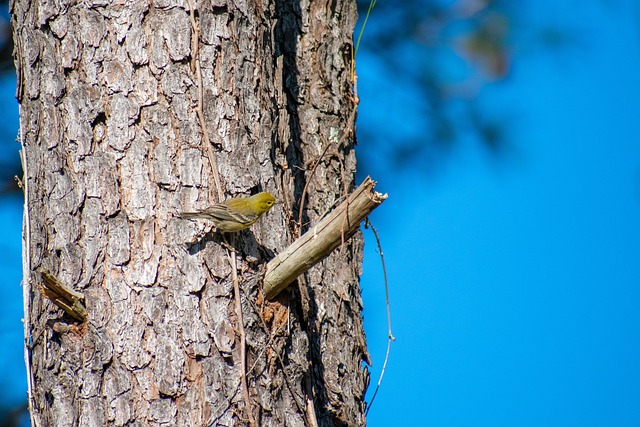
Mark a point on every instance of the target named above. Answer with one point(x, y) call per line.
point(113, 149)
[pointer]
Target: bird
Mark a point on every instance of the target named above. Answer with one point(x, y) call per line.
point(237, 213)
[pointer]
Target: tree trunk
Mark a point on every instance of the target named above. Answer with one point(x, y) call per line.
point(132, 112)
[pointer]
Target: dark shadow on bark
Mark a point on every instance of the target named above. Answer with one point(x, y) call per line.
point(287, 34)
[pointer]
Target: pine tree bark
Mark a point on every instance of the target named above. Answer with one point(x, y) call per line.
point(113, 98)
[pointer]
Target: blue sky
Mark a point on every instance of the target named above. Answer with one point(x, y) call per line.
point(515, 283)
point(12, 370)
point(515, 287)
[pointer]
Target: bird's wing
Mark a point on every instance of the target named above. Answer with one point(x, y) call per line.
point(217, 212)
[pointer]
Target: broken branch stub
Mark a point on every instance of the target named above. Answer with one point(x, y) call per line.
point(318, 242)
point(63, 296)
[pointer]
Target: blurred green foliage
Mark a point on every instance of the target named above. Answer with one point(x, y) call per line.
point(444, 55)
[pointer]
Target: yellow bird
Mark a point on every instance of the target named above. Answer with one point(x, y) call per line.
point(235, 214)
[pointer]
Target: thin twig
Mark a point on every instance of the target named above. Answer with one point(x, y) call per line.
point(372, 4)
point(306, 187)
point(265, 329)
point(311, 408)
point(313, 170)
point(286, 380)
point(195, 68)
point(243, 338)
point(345, 218)
point(386, 290)
point(226, 404)
point(262, 350)
point(195, 39)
